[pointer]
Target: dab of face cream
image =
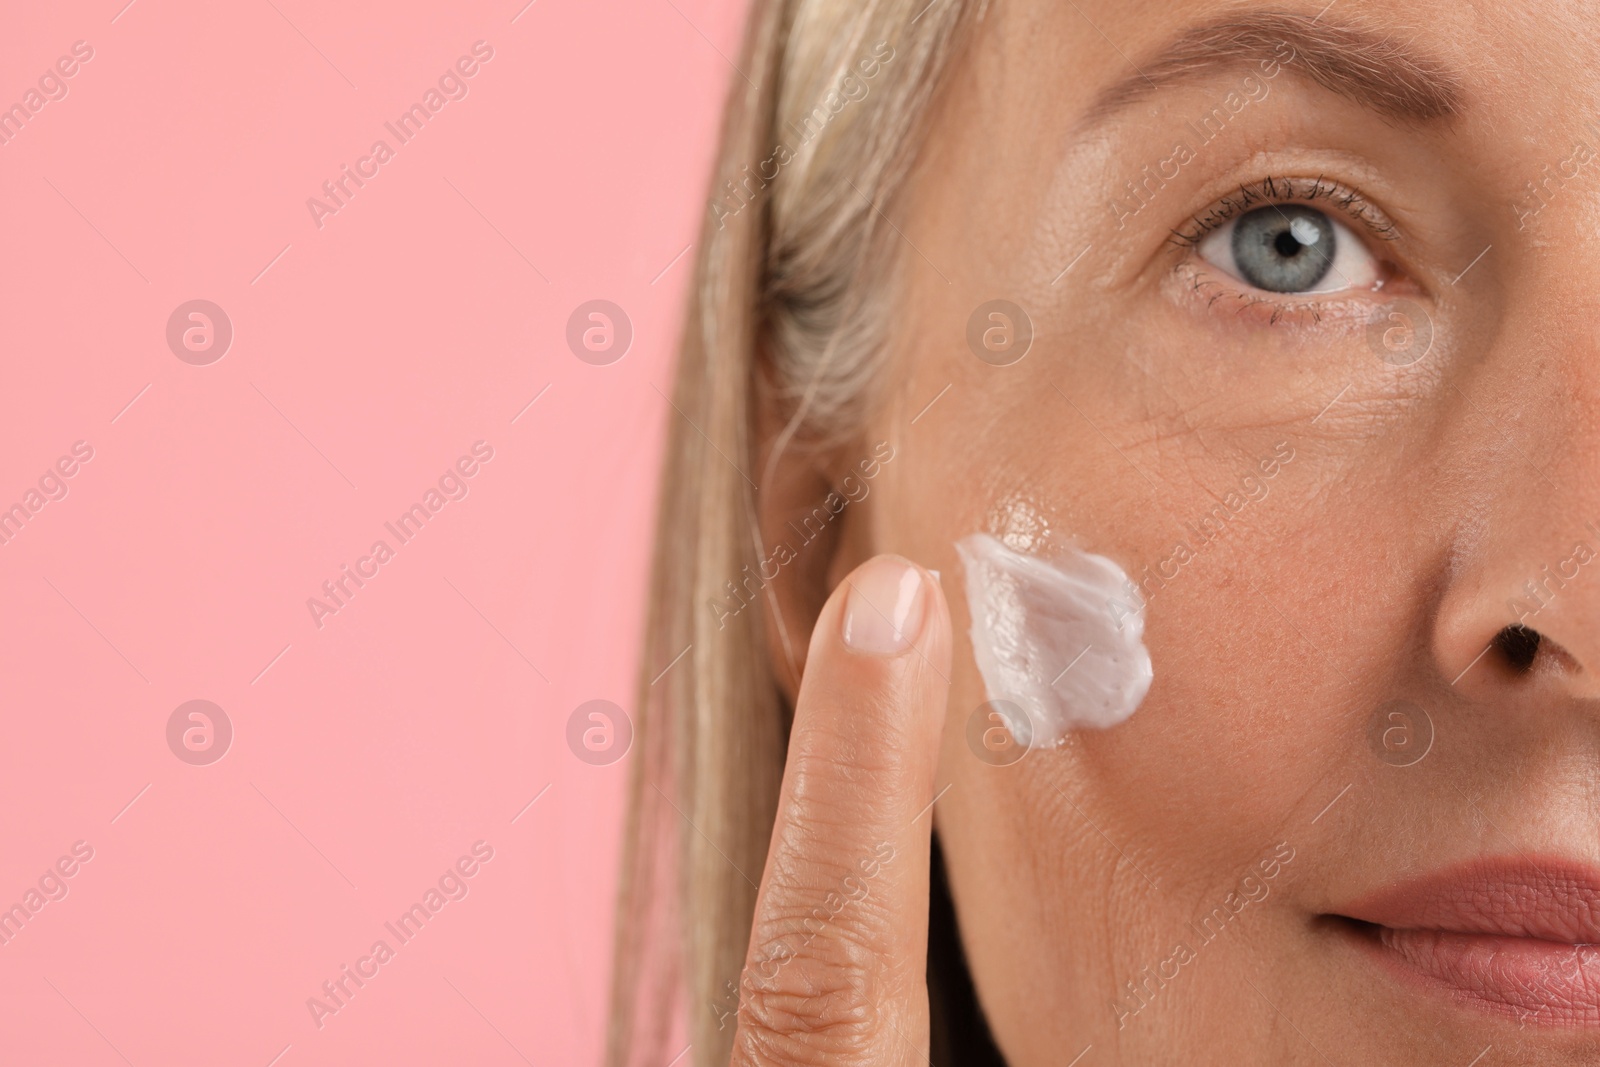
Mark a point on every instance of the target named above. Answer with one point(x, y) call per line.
point(1061, 638)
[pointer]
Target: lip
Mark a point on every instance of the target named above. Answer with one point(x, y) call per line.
point(1513, 936)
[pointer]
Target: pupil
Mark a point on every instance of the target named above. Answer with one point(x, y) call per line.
point(1286, 244)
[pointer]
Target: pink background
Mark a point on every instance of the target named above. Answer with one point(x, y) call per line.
point(368, 355)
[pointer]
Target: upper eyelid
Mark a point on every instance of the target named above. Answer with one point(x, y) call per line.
point(1266, 191)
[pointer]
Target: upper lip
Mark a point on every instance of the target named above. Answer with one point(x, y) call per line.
point(1543, 898)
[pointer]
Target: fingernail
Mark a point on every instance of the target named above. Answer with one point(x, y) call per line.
point(883, 612)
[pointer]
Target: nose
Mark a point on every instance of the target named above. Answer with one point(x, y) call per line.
point(1521, 604)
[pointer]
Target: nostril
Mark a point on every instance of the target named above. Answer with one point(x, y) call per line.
point(1519, 645)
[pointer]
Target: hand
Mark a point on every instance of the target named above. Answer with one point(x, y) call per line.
point(836, 972)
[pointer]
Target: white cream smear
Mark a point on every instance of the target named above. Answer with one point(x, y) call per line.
point(1061, 639)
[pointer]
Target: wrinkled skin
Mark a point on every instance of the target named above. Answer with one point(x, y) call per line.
point(1439, 463)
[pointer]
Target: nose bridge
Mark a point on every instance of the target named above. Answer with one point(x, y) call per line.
point(1523, 446)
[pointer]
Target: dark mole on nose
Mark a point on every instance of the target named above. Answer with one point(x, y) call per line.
point(1519, 645)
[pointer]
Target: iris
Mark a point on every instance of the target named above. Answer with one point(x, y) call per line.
point(1286, 248)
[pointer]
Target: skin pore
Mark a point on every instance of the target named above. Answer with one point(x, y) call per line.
point(1433, 473)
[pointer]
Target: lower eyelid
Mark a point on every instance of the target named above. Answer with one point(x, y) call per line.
point(1206, 291)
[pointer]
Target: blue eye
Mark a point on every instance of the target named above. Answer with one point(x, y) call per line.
point(1290, 248)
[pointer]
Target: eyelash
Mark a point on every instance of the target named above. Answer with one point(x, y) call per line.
point(1288, 191)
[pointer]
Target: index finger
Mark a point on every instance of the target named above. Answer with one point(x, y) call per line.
point(836, 967)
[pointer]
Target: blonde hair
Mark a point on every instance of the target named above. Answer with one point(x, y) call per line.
point(794, 274)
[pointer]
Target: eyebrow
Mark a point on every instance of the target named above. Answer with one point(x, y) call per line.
point(1365, 65)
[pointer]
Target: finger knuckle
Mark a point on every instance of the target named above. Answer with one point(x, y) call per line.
point(806, 996)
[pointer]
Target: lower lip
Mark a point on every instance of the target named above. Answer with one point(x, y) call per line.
point(1530, 980)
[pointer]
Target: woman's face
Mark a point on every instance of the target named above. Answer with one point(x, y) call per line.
point(1316, 360)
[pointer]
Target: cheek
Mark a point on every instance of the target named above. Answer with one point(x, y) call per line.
point(1222, 748)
